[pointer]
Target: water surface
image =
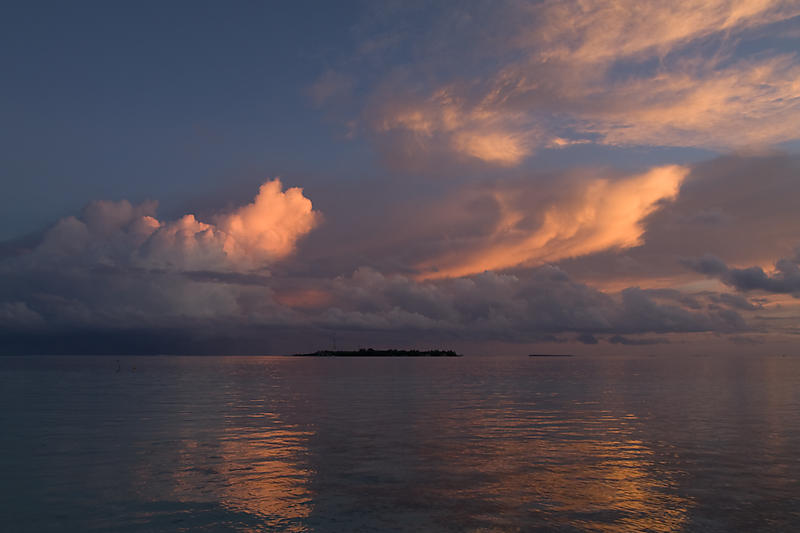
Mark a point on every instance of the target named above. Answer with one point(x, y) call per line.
point(456, 444)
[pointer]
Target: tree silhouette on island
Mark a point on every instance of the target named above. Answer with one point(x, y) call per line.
point(370, 352)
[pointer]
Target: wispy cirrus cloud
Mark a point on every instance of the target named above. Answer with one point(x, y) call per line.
point(578, 31)
point(752, 102)
point(445, 121)
point(554, 74)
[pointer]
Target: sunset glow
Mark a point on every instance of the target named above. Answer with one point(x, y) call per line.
point(400, 266)
point(600, 216)
point(570, 155)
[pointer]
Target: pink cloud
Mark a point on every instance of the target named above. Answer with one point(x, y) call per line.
point(599, 215)
point(248, 238)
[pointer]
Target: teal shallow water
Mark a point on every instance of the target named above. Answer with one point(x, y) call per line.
point(465, 444)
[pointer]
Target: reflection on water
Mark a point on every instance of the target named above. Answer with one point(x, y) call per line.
point(264, 478)
point(589, 473)
point(496, 444)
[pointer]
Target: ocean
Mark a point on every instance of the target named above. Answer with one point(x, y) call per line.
point(683, 443)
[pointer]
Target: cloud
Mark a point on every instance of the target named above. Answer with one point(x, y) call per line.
point(523, 307)
point(596, 31)
point(783, 279)
point(494, 84)
point(104, 271)
point(708, 265)
point(330, 86)
point(162, 310)
point(627, 341)
point(747, 339)
point(19, 315)
point(732, 210)
point(248, 238)
point(736, 301)
point(600, 214)
point(751, 102)
point(447, 122)
point(587, 338)
point(268, 228)
point(408, 226)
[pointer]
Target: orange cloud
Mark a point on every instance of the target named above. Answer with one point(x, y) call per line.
point(558, 83)
point(269, 227)
point(584, 31)
point(247, 238)
point(481, 131)
point(748, 103)
point(502, 148)
point(601, 215)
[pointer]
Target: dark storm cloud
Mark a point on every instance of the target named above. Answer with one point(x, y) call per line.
point(690, 301)
point(784, 279)
point(736, 301)
point(708, 265)
point(519, 307)
point(67, 305)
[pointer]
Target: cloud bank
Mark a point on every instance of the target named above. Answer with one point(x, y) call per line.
point(119, 276)
point(463, 236)
point(205, 311)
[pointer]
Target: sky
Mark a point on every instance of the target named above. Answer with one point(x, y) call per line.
point(496, 177)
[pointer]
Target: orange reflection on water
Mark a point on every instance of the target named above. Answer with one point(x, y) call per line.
point(588, 473)
point(255, 469)
point(265, 475)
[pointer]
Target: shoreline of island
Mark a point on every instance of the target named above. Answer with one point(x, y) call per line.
point(370, 352)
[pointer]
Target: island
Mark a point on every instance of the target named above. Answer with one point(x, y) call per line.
point(380, 353)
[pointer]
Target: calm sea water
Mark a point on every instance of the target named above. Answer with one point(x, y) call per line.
point(468, 444)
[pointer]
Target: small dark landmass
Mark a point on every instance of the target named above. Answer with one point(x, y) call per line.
point(550, 355)
point(380, 353)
